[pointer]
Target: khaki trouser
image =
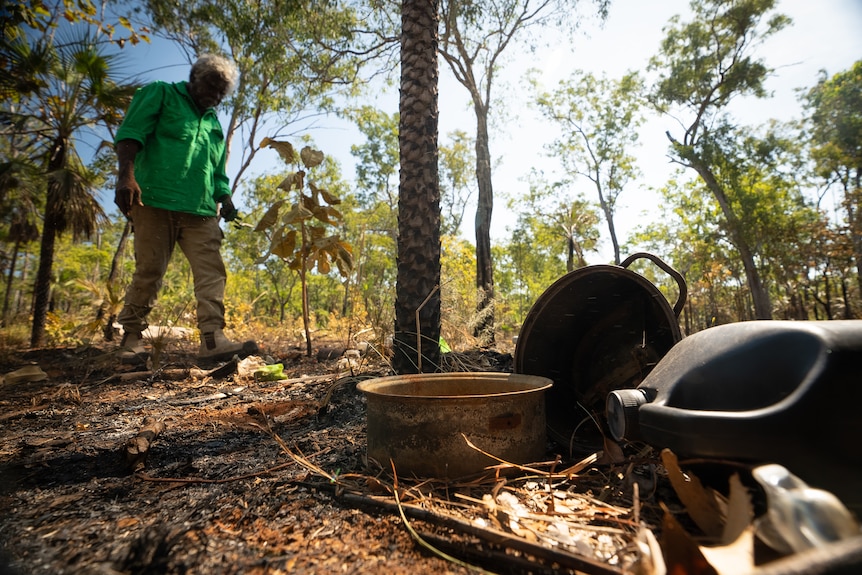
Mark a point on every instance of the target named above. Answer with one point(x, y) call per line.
point(156, 232)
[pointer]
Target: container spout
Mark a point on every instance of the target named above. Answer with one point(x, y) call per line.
point(622, 411)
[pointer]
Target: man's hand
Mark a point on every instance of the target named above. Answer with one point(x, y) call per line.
point(128, 194)
point(228, 211)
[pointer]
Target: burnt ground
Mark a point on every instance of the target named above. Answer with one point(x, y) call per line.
point(246, 476)
point(254, 477)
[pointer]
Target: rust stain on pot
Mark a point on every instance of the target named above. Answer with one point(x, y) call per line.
point(507, 421)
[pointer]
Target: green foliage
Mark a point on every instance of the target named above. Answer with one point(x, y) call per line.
point(835, 121)
point(704, 64)
point(377, 158)
point(473, 42)
point(795, 250)
point(599, 119)
point(552, 226)
point(40, 17)
point(835, 106)
point(457, 291)
point(66, 94)
point(457, 180)
point(807, 262)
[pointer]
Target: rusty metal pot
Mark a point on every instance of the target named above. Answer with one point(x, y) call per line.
point(594, 330)
point(417, 421)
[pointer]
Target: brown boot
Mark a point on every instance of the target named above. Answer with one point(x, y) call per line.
point(132, 350)
point(216, 347)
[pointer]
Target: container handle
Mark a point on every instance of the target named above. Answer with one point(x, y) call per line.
point(680, 281)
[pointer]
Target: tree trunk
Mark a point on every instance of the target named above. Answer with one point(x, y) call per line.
point(609, 218)
point(8, 295)
point(484, 329)
point(51, 226)
point(852, 199)
point(42, 287)
point(418, 279)
point(759, 295)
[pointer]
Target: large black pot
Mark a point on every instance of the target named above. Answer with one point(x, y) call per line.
point(594, 330)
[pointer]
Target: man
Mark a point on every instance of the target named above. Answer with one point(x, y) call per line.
point(171, 181)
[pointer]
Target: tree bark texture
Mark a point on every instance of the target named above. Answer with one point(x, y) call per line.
point(54, 222)
point(418, 280)
point(484, 329)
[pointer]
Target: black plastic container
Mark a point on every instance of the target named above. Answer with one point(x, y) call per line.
point(761, 391)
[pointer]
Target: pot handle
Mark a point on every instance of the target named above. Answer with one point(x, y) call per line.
point(680, 281)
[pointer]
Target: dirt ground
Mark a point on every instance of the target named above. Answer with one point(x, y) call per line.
point(245, 477)
point(120, 470)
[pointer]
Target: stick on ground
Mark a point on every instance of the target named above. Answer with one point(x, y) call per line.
point(138, 447)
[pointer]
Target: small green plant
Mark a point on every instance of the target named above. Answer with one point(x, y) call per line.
point(108, 301)
point(301, 235)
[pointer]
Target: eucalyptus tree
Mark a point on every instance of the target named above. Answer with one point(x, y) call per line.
point(599, 120)
point(554, 232)
point(788, 233)
point(377, 162)
point(374, 220)
point(688, 235)
point(72, 94)
point(417, 295)
point(835, 118)
point(473, 39)
point(457, 180)
point(702, 66)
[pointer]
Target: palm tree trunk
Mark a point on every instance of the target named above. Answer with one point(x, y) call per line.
point(53, 219)
point(42, 287)
point(418, 276)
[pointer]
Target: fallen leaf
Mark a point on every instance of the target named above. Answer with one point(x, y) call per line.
point(703, 505)
point(682, 555)
point(736, 552)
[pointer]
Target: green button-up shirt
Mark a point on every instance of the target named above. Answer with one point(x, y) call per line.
point(181, 164)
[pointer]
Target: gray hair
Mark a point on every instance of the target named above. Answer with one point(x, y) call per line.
point(211, 63)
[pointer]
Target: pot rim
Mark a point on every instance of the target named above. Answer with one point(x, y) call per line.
point(375, 387)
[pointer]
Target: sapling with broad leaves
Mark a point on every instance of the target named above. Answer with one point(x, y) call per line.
point(300, 235)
